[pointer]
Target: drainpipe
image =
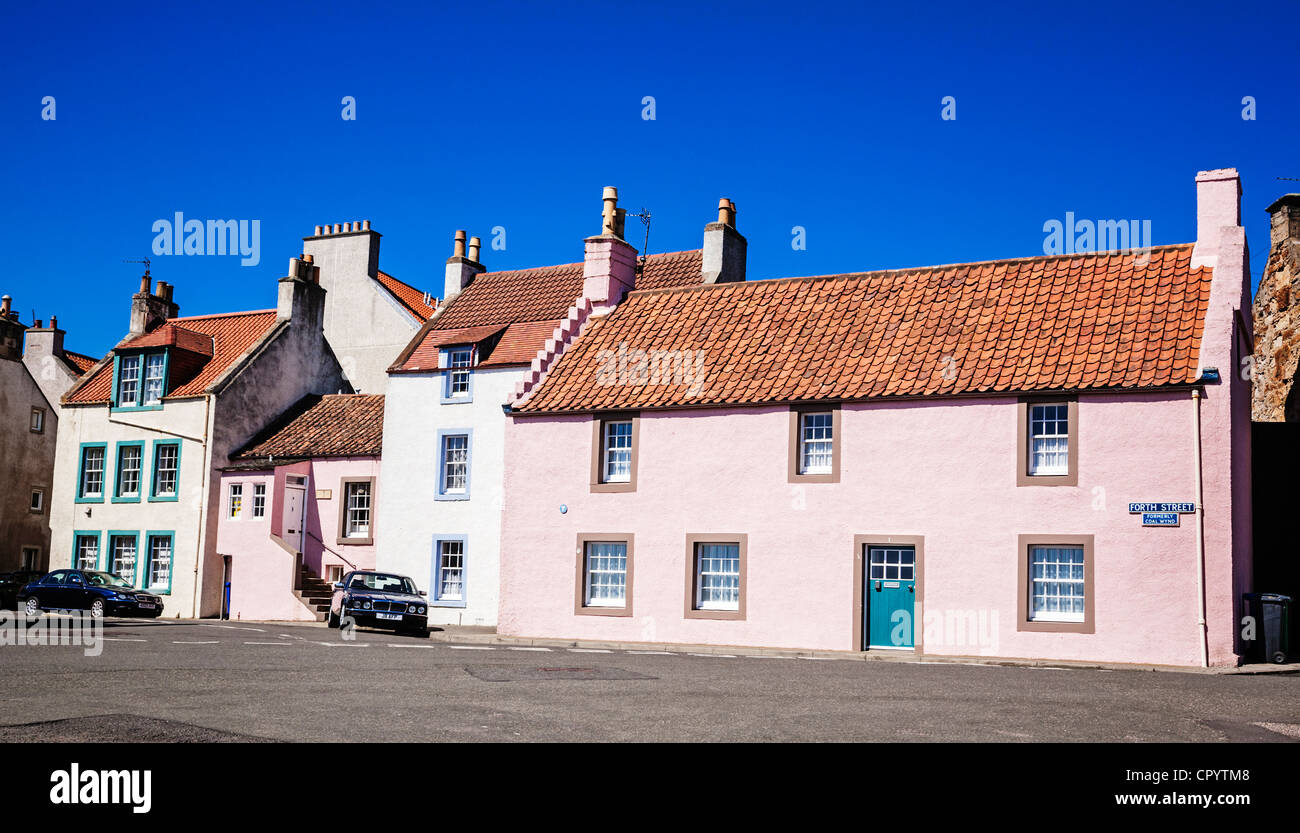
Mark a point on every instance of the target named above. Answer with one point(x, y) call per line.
point(203, 505)
point(1200, 528)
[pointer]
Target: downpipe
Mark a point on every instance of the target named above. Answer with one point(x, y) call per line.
point(1200, 529)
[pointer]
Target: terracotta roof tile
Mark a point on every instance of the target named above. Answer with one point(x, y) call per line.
point(231, 335)
point(1079, 321)
point(425, 355)
point(340, 425)
point(407, 295)
point(79, 363)
point(533, 301)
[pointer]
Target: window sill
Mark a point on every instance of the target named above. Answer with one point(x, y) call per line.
point(604, 488)
point(1054, 627)
point(355, 542)
point(89, 500)
point(164, 499)
point(451, 497)
point(116, 409)
point(126, 500)
point(697, 613)
point(590, 610)
point(450, 604)
point(1071, 479)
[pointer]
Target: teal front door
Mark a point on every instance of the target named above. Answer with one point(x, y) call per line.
point(890, 595)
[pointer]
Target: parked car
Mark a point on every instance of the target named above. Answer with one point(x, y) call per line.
point(103, 594)
point(12, 583)
point(380, 600)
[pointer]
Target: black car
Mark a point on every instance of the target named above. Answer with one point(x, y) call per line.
point(380, 600)
point(11, 584)
point(103, 594)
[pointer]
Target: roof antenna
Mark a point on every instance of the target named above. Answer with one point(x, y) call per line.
point(644, 217)
point(1290, 178)
point(146, 263)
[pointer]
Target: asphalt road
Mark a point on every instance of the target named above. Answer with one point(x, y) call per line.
point(207, 681)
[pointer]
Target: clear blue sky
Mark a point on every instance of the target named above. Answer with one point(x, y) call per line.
point(474, 115)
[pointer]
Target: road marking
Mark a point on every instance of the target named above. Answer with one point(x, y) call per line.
point(766, 656)
point(333, 644)
point(719, 656)
point(471, 647)
point(406, 645)
point(653, 653)
point(291, 636)
point(233, 627)
point(195, 642)
point(823, 659)
point(518, 648)
point(589, 651)
point(122, 639)
point(266, 643)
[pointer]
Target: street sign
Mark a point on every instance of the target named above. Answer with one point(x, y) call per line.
point(1179, 508)
point(1160, 519)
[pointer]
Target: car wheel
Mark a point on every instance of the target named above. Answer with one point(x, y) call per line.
point(332, 620)
point(97, 609)
point(33, 606)
point(1279, 657)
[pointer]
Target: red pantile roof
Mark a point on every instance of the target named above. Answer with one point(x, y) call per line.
point(425, 355)
point(231, 335)
point(80, 364)
point(172, 334)
point(337, 425)
point(535, 297)
point(1075, 322)
point(519, 343)
point(407, 295)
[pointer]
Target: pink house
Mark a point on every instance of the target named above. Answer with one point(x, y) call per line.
point(297, 503)
point(1044, 457)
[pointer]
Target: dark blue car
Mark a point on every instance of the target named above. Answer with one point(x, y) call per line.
point(103, 594)
point(380, 600)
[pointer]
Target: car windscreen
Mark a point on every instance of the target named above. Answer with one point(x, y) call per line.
point(106, 580)
point(381, 583)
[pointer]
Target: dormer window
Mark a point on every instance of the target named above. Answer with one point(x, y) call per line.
point(458, 370)
point(141, 380)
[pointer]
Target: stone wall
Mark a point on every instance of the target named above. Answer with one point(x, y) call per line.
point(1277, 320)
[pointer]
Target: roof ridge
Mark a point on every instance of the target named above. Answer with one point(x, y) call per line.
point(912, 270)
point(219, 315)
point(580, 263)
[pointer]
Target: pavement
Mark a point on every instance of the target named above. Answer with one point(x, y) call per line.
point(178, 680)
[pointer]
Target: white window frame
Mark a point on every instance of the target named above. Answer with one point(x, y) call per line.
point(124, 471)
point(351, 512)
point(616, 469)
point(1047, 581)
point(1061, 411)
point(80, 557)
point(235, 501)
point(816, 440)
point(37, 423)
point(37, 505)
point(701, 555)
point(454, 470)
point(460, 364)
point(113, 553)
point(259, 500)
point(159, 470)
point(164, 585)
point(135, 363)
point(153, 383)
point(588, 573)
point(445, 568)
point(86, 454)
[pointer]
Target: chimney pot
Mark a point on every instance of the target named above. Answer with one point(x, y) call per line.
point(458, 248)
point(338, 228)
point(308, 258)
point(54, 322)
point(36, 324)
point(365, 225)
point(144, 284)
point(318, 231)
point(609, 214)
point(1284, 216)
point(4, 305)
point(474, 245)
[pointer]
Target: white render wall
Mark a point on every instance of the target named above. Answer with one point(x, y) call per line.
point(409, 518)
point(94, 424)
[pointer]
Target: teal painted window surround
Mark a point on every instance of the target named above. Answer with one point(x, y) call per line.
point(140, 380)
point(92, 472)
point(89, 542)
point(128, 483)
point(124, 541)
point(159, 560)
point(165, 473)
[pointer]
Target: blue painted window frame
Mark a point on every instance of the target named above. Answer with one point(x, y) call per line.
point(106, 554)
point(468, 434)
point(81, 473)
point(153, 472)
point(117, 472)
point(149, 535)
point(444, 389)
point(144, 361)
point(436, 572)
point(77, 535)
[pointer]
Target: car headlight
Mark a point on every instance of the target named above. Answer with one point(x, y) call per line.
point(410, 608)
point(421, 610)
point(365, 605)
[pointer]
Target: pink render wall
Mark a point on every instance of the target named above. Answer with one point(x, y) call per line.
point(262, 571)
point(944, 470)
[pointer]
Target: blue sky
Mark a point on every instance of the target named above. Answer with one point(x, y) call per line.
point(475, 115)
